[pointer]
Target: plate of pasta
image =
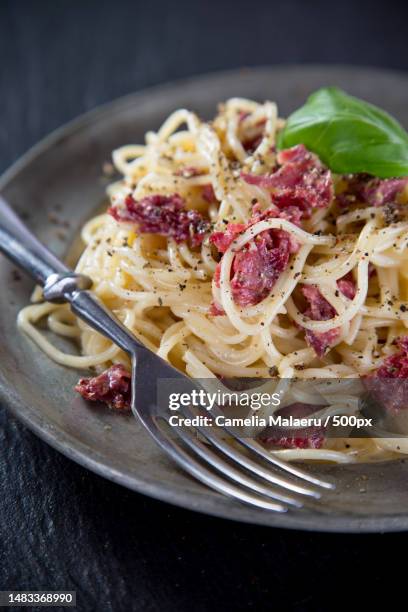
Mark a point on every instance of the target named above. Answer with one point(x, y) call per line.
point(250, 224)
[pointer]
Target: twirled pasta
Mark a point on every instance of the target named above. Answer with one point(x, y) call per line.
point(163, 289)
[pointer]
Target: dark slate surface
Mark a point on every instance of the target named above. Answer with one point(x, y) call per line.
point(62, 527)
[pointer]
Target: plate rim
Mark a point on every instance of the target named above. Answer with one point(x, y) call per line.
point(62, 442)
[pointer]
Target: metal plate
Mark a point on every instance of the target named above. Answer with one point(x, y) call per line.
point(64, 172)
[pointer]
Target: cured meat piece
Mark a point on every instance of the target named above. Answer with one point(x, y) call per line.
point(164, 215)
point(112, 387)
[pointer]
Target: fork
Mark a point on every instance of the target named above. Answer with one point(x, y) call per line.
point(243, 469)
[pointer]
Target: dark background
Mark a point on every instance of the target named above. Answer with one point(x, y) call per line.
point(62, 527)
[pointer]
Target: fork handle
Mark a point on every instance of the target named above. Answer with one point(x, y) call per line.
point(24, 249)
point(60, 283)
point(90, 309)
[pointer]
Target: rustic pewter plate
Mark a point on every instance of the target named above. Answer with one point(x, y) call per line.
point(62, 175)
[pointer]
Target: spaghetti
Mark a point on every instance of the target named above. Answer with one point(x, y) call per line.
point(230, 259)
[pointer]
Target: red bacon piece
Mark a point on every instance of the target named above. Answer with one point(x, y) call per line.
point(389, 383)
point(347, 286)
point(372, 191)
point(223, 240)
point(378, 192)
point(301, 181)
point(395, 366)
point(256, 269)
point(309, 437)
point(320, 309)
point(164, 215)
point(216, 310)
point(112, 387)
point(208, 194)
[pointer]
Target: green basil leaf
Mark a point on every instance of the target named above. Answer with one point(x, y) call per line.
point(348, 134)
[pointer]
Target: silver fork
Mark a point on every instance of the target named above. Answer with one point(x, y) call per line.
point(243, 470)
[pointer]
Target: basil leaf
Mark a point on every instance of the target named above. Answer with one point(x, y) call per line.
point(348, 134)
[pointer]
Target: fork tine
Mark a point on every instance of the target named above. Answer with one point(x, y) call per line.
point(213, 459)
point(247, 463)
point(146, 363)
point(201, 473)
point(271, 458)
